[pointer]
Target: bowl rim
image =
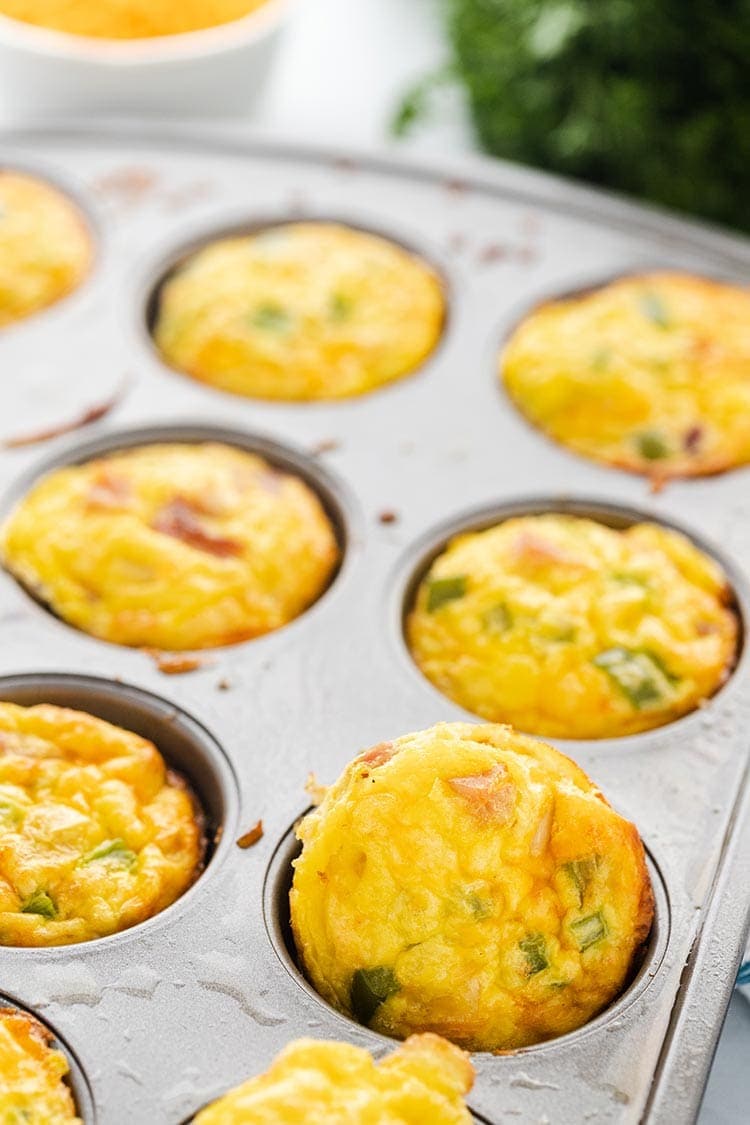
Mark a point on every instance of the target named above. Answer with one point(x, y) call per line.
point(217, 39)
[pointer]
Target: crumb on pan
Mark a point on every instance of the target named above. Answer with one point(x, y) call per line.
point(177, 663)
point(252, 836)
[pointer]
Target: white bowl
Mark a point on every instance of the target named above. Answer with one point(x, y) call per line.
point(214, 71)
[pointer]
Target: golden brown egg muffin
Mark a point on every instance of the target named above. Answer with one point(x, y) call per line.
point(422, 1082)
point(172, 546)
point(128, 19)
point(470, 881)
point(97, 835)
point(33, 1090)
point(45, 245)
point(570, 629)
point(650, 373)
point(300, 311)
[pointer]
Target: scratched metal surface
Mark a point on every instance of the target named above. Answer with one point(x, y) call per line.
point(170, 1014)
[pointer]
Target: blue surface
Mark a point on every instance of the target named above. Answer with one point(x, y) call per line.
point(727, 1100)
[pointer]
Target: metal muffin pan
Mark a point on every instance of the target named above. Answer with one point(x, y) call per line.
point(170, 1014)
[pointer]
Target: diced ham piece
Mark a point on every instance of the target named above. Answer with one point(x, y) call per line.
point(693, 438)
point(541, 835)
point(378, 755)
point(109, 491)
point(490, 796)
point(532, 549)
point(178, 519)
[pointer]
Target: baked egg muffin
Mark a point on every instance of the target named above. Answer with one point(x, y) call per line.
point(127, 19)
point(33, 1090)
point(470, 881)
point(45, 245)
point(567, 628)
point(424, 1080)
point(300, 311)
point(97, 835)
point(650, 373)
point(173, 546)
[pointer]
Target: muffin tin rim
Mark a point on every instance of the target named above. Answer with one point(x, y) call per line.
point(416, 559)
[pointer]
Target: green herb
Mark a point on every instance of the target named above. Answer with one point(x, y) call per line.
point(498, 618)
point(442, 590)
point(654, 309)
point(480, 908)
point(534, 948)
point(660, 664)
point(588, 931)
point(651, 445)
point(369, 989)
point(10, 812)
point(601, 359)
point(581, 872)
point(340, 307)
point(417, 102)
point(637, 674)
point(632, 95)
point(40, 903)
point(562, 633)
point(626, 578)
point(271, 318)
point(116, 851)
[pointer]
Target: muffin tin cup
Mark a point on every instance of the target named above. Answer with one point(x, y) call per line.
point(332, 493)
point(84, 201)
point(52, 340)
point(76, 1078)
point(278, 884)
point(420, 556)
point(187, 748)
point(159, 270)
point(169, 1015)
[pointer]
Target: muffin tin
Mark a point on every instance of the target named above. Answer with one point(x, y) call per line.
point(168, 1015)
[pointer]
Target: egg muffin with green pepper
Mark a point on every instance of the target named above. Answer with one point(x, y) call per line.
point(570, 629)
point(33, 1090)
point(469, 881)
point(45, 245)
point(307, 310)
point(424, 1080)
point(97, 835)
point(172, 546)
point(650, 373)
